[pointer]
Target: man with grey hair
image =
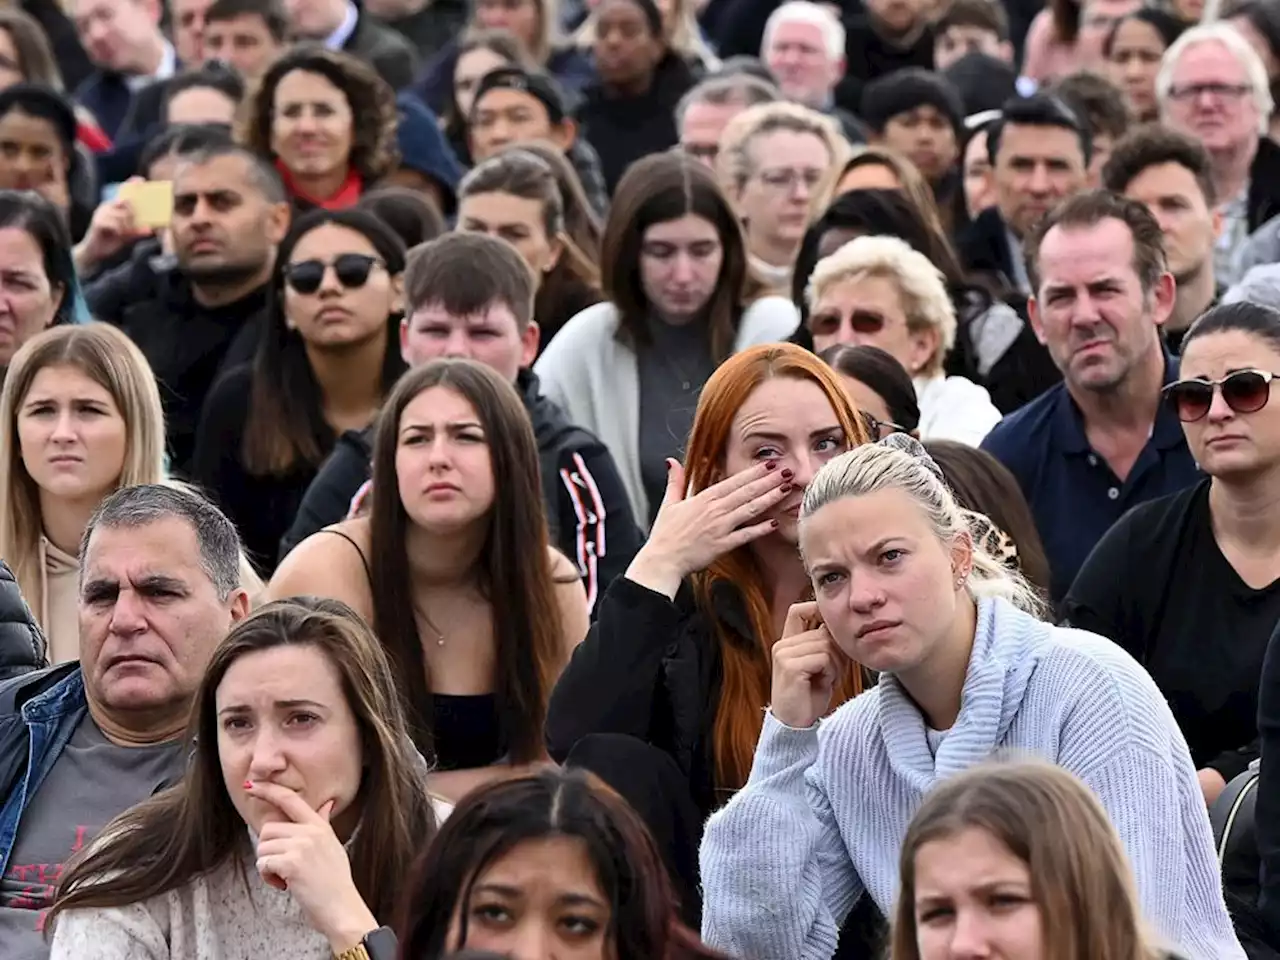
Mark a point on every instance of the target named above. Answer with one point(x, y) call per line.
point(1213, 86)
point(803, 47)
point(83, 741)
point(707, 108)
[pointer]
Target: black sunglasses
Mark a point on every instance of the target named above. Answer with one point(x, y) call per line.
point(1245, 391)
point(879, 429)
point(351, 269)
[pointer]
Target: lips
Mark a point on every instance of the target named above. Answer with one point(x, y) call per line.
point(877, 627)
point(131, 660)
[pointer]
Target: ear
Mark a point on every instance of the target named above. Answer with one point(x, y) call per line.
point(1033, 314)
point(565, 134)
point(404, 340)
point(397, 294)
point(1163, 298)
point(1004, 50)
point(838, 70)
point(962, 555)
point(556, 246)
point(241, 606)
point(924, 347)
point(278, 218)
point(1217, 223)
point(59, 295)
point(529, 341)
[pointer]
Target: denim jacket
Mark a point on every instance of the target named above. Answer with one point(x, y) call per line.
point(38, 714)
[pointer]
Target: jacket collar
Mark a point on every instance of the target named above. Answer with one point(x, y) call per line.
point(1068, 422)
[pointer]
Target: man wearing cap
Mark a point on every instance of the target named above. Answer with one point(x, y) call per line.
point(914, 112)
point(514, 105)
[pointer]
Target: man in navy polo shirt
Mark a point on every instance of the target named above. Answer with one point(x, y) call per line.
point(1101, 441)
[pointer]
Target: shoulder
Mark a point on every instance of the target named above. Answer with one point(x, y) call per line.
point(1094, 680)
point(138, 929)
point(328, 563)
point(591, 331)
point(767, 319)
point(22, 645)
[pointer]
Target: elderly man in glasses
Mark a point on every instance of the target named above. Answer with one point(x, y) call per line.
point(1213, 86)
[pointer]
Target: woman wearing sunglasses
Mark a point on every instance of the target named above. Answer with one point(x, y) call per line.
point(323, 366)
point(1190, 583)
point(879, 292)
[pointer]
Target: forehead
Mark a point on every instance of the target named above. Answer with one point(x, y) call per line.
point(862, 291)
point(19, 250)
point(15, 123)
point(496, 313)
point(438, 403)
point(850, 525)
point(65, 378)
point(504, 98)
point(798, 33)
point(1043, 142)
point(796, 145)
point(703, 113)
point(331, 238)
point(241, 22)
point(167, 547)
point(783, 404)
point(621, 10)
point(479, 60)
point(1082, 254)
point(1164, 179)
point(1210, 60)
point(302, 83)
point(1214, 354)
point(218, 173)
point(500, 205)
point(690, 228)
point(296, 671)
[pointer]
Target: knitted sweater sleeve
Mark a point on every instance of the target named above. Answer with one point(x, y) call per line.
point(777, 878)
point(109, 933)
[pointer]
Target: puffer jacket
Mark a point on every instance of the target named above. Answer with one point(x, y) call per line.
point(22, 645)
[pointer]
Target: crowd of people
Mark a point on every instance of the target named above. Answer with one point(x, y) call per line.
point(639, 479)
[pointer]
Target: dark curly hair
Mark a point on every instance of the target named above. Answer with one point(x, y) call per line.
point(373, 107)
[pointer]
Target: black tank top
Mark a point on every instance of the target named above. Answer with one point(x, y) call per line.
point(466, 731)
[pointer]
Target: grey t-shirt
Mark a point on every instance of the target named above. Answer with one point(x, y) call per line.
point(91, 782)
point(673, 367)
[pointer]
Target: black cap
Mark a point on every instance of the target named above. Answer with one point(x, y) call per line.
point(538, 85)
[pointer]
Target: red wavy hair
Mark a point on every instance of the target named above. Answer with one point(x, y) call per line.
point(747, 668)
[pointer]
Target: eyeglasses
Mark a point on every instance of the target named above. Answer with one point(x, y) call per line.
point(1245, 391)
point(1219, 91)
point(879, 429)
point(787, 179)
point(351, 269)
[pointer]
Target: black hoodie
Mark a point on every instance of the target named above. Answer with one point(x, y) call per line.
point(588, 513)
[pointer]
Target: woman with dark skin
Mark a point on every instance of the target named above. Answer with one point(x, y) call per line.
point(630, 111)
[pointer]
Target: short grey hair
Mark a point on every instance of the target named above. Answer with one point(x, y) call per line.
point(901, 463)
point(1236, 45)
point(132, 507)
point(739, 88)
point(810, 14)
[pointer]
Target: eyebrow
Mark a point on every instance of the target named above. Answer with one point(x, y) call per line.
point(503, 890)
point(451, 425)
point(771, 435)
point(279, 704)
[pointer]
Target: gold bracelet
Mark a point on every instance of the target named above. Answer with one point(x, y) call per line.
point(358, 952)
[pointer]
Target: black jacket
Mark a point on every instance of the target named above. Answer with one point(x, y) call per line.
point(384, 49)
point(188, 346)
point(984, 250)
point(1264, 184)
point(588, 513)
point(22, 645)
point(650, 669)
point(624, 129)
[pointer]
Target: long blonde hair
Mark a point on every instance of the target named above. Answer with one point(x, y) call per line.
point(1080, 878)
point(108, 358)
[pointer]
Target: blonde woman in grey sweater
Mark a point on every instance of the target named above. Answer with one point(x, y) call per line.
point(302, 807)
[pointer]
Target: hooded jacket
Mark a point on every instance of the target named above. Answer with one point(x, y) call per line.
point(823, 815)
point(589, 517)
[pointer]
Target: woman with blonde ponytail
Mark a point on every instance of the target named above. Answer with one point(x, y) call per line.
point(967, 669)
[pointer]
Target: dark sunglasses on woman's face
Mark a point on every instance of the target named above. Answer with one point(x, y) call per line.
point(351, 269)
point(879, 429)
point(1244, 391)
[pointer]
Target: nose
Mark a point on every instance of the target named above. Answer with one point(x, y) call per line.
point(800, 189)
point(305, 122)
point(969, 940)
point(128, 616)
point(1039, 182)
point(531, 940)
point(803, 466)
point(267, 759)
point(458, 344)
point(63, 428)
point(1219, 410)
point(865, 594)
point(682, 268)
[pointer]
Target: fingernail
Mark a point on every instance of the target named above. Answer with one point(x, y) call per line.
point(773, 523)
point(788, 474)
point(248, 784)
point(785, 488)
point(772, 465)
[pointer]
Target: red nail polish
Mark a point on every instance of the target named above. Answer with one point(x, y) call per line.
point(248, 784)
point(785, 488)
point(787, 474)
point(773, 523)
point(772, 465)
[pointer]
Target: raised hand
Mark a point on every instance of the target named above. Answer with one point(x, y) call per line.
point(112, 229)
point(806, 663)
point(689, 533)
point(304, 856)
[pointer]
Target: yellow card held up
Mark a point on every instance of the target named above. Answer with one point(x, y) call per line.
point(152, 202)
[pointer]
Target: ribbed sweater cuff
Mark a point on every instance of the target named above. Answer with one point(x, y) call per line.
point(782, 748)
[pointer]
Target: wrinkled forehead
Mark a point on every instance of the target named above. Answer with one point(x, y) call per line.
point(127, 554)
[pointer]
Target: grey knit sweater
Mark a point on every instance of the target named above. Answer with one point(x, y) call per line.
point(822, 817)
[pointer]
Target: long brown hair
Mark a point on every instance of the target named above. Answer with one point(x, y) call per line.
point(514, 570)
point(746, 673)
point(657, 189)
point(494, 820)
point(1054, 824)
point(193, 828)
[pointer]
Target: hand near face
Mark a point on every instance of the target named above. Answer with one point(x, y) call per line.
point(303, 855)
point(806, 663)
point(689, 533)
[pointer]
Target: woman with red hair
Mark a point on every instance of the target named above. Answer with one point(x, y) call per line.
point(665, 698)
